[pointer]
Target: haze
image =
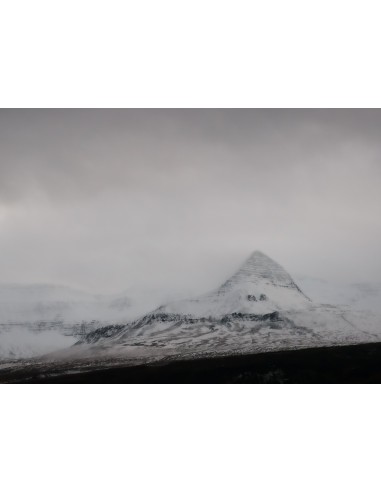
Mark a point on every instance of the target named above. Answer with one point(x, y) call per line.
point(174, 200)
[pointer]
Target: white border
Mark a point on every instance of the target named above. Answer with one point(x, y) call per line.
point(203, 53)
point(171, 438)
point(189, 54)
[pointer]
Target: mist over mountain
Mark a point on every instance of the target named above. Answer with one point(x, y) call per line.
point(361, 296)
point(259, 308)
point(38, 318)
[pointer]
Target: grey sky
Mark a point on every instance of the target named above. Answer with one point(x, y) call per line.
point(110, 199)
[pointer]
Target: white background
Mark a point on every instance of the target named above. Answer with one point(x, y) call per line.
point(189, 54)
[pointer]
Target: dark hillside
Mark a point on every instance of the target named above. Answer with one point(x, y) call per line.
point(346, 364)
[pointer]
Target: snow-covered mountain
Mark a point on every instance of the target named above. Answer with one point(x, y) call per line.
point(260, 308)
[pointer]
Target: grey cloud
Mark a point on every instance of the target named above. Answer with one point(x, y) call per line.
point(107, 199)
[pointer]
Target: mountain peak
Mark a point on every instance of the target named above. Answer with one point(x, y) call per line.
point(259, 269)
point(260, 286)
point(258, 256)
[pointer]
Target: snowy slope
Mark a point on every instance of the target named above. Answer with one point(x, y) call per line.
point(18, 342)
point(260, 308)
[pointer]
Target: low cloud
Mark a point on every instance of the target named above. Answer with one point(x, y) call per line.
point(175, 199)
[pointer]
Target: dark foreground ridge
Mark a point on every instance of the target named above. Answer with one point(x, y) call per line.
point(346, 364)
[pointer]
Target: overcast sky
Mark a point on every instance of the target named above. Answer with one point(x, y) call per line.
point(107, 200)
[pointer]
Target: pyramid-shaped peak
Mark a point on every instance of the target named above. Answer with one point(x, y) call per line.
point(257, 252)
point(262, 263)
point(259, 265)
point(257, 255)
point(260, 286)
point(260, 269)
